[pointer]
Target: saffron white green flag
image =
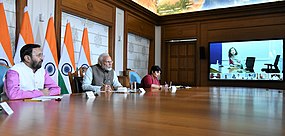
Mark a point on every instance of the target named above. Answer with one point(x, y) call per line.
point(25, 36)
point(84, 55)
point(50, 62)
point(6, 56)
point(66, 62)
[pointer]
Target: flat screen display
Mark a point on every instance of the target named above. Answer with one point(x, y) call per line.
point(246, 60)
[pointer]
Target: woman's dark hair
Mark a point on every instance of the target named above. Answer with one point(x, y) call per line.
point(230, 54)
point(154, 68)
point(28, 50)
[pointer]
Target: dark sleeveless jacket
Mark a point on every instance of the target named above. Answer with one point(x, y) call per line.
point(101, 76)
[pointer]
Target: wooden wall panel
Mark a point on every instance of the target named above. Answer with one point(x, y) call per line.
point(258, 32)
point(140, 27)
point(180, 31)
point(261, 20)
point(258, 27)
point(93, 8)
point(20, 5)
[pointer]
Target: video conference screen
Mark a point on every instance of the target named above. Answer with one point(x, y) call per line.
point(246, 60)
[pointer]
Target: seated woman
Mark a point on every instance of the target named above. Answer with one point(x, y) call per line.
point(233, 58)
point(151, 80)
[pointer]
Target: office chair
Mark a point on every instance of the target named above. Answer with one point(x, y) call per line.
point(270, 68)
point(75, 80)
point(3, 69)
point(249, 64)
point(134, 77)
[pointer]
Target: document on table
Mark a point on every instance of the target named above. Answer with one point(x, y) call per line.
point(6, 108)
point(46, 98)
point(119, 90)
point(122, 90)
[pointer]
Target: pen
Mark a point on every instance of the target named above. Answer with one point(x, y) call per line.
point(30, 100)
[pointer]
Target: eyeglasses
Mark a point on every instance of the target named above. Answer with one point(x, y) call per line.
point(109, 61)
point(40, 55)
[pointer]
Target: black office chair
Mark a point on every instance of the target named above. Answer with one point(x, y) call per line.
point(78, 84)
point(249, 64)
point(76, 81)
point(272, 68)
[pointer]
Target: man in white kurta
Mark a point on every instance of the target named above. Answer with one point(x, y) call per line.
point(27, 79)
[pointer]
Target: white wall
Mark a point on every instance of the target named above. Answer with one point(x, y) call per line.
point(157, 45)
point(119, 41)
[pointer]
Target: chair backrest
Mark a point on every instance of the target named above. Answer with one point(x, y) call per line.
point(250, 62)
point(134, 77)
point(129, 76)
point(3, 69)
point(75, 80)
point(276, 60)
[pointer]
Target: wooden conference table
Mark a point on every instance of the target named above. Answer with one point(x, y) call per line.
point(214, 111)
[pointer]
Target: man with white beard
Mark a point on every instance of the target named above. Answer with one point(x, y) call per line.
point(101, 77)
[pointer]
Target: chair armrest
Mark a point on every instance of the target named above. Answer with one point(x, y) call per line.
point(269, 66)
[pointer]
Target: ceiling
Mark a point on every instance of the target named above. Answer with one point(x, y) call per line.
point(168, 7)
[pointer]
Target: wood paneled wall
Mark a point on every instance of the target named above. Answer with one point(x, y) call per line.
point(97, 10)
point(138, 26)
point(20, 5)
point(260, 21)
point(180, 31)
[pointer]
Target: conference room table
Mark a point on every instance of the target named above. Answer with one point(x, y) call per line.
point(197, 111)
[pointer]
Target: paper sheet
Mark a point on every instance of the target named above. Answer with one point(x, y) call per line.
point(46, 98)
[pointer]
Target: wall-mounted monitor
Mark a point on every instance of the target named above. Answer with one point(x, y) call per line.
point(246, 60)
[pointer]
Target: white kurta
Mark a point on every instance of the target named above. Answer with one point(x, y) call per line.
point(28, 79)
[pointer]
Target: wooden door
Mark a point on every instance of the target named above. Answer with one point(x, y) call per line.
point(181, 63)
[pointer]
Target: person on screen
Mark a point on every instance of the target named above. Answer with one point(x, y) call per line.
point(234, 61)
point(27, 79)
point(151, 80)
point(101, 77)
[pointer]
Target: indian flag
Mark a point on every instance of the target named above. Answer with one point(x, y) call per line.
point(84, 55)
point(6, 56)
point(50, 62)
point(25, 36)
point(67, 61)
